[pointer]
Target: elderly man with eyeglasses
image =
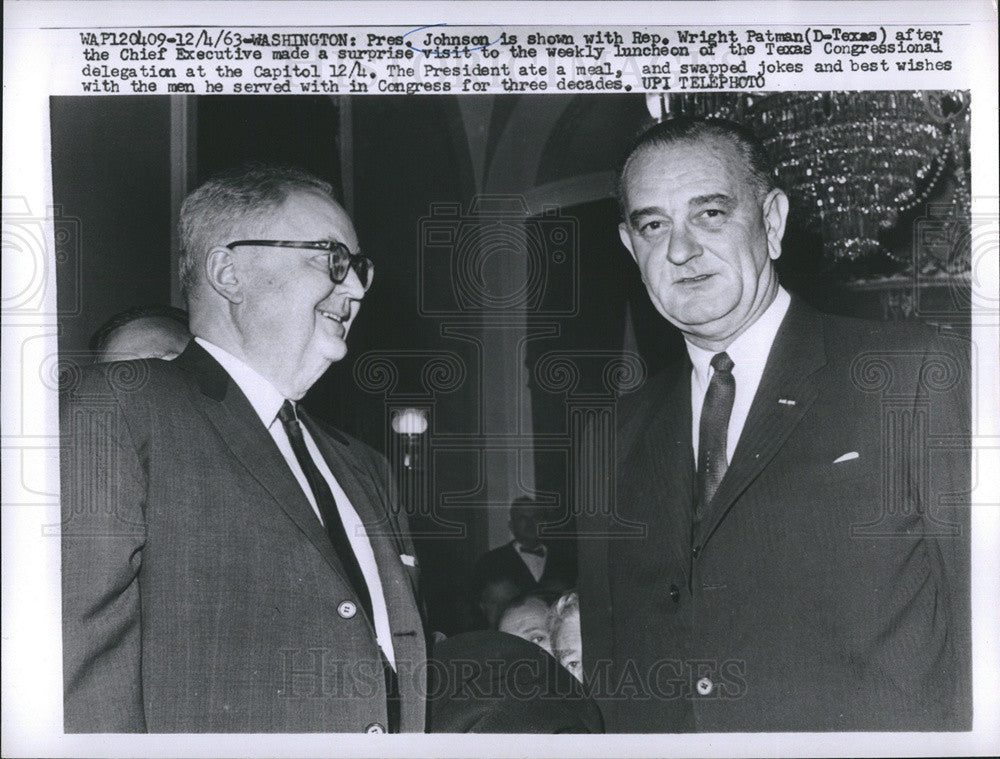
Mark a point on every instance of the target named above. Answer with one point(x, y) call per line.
point(229, 564)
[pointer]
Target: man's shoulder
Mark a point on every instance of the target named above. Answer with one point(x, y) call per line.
point(851, 330)
point(898, 357)
point(851, 338)
point(126, 381)
point(495, 556)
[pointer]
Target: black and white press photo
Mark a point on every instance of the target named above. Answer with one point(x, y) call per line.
point(477, 388)
point(713, 355)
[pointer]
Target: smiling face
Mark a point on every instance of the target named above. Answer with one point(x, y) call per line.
point(703, 237)
point(293, 320)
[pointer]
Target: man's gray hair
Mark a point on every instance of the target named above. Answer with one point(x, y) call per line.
point(750, 149)
point(234, 205)
point(567, 605)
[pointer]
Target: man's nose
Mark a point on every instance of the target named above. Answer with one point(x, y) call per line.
point(681, 247)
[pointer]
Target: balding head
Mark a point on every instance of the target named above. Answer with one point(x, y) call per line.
point(145, 332)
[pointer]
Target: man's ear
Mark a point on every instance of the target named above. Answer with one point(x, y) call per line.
point(626, 240)
point(775, 211)
point(220, 272)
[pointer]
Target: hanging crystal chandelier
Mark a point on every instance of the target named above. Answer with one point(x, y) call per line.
point(852, 162)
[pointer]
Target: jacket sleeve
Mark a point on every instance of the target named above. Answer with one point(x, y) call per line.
point(103, 532)
point(945, 389)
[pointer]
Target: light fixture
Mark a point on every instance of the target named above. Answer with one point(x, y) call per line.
point(410, 424)
point(852, 162)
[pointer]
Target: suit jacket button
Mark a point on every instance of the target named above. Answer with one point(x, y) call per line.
point(704, 686)
point(347, 609)
point(675, 594)
point(695, 551)
point(375, 727)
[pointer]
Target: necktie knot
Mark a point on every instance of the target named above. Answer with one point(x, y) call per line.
point(538, 550)
point(722, 363)
point(287, 413)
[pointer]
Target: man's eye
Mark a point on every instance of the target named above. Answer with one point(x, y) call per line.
point(713, 215)
point(651, 226)
point(538, 639)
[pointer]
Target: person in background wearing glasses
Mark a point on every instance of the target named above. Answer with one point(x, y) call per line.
point(229, 564)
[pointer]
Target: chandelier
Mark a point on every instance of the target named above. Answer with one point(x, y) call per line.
point(852, 162)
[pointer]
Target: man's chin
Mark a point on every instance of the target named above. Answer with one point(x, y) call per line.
point(336, 353)
point(701, 317)
point(336, 347)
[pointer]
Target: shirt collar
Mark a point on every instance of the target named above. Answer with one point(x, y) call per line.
point(263, 396)
point(751, 348)
point(521, 549)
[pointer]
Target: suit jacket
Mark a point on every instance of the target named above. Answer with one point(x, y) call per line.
point(827, 588)
point(200, 591)
point(529, 691)
point(506, 563)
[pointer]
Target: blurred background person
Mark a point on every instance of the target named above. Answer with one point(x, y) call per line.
point(567, 645)
point(142, 332)
point(491, 682)
point(526, 561)
point(527, 617)
point(492, 599)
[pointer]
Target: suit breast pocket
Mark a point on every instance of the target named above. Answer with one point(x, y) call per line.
point(823, 479)
point(847, 466)
point(838, 463)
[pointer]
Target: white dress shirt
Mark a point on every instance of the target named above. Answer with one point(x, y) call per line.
point(535, 563)
point(267, 401)
point(749, 353)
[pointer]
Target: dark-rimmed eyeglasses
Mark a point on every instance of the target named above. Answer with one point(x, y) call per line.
point(339, 258)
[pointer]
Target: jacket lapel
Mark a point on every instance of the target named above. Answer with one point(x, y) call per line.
point(661, 450)
point(241, 430)
point(788, 388)
point(372, 505)
point(356, 480)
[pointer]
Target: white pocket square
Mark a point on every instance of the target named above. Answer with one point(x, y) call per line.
point(410, 561)
point(847, 457)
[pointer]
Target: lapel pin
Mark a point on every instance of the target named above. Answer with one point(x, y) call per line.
point(786, 401)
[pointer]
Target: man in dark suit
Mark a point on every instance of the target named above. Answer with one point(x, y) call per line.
point(788, 546)
point(525, 563)
point(230, 564)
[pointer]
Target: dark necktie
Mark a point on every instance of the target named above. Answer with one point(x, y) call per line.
point(327, 506)
point(712, 432)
